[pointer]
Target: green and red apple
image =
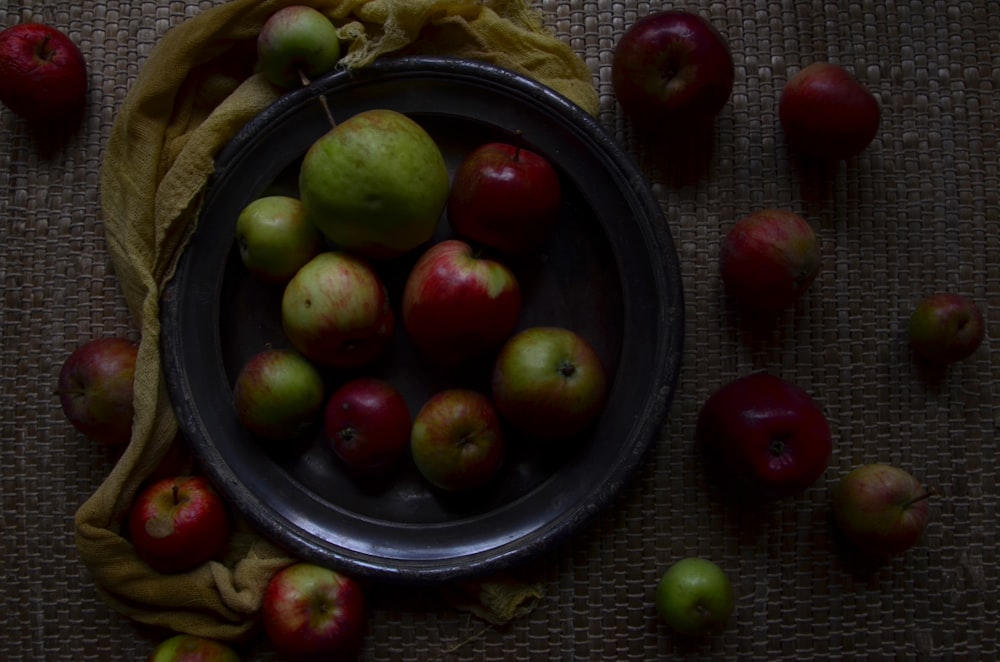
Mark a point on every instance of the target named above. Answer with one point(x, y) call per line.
point(549, 383)
point(946, 327)
point(457, 442)
point(278, 394)
point(95, 389)
point(336, 311)
point(376, 184)
point(296, 44)
point(275, 239)
point(192, 648)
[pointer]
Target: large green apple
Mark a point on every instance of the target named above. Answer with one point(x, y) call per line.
point(375, 184)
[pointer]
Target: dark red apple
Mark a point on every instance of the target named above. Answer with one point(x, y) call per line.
point(457, 306)
point(946, 327)
point(549, 383)
point(367, 423)
point(827, 114)
point(96, 389)
point(765, 433)
point(768, 259)
point(312, 612)
point(881, 509)
point(43, 76)
point(671, 69)
point(506, 197)
point(457, 442)
point(179, 523)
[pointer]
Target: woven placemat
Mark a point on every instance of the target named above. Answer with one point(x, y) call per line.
point(914, 213)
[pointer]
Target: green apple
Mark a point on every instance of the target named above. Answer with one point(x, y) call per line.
point(278, 394)
point(549, 383)
point(297, 42)
point(275, 239)
point(376, 184)
point(192, 648)
point(694, 596)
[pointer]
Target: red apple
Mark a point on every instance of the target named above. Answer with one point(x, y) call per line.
point(192, 648)
point(505, 197)
point(880, 508)
point(278, 394)
point(672, 68)
point(827, 114)
point(43, 76)
point(336, 311)
point(457, 306)
point(767, 434)
point(457, 442)
point(946, 327)
point(367, 423)
point(177, 524)
point(549, 383)
point(95, 389)
point(768, 259)
point(309, 611)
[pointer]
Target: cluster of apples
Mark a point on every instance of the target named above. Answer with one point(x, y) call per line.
point(764, 436)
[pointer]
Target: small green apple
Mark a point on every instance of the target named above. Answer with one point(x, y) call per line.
point(376, 184)
point(275, 239)
point(695, 596)
point(278, 394)
point(192, 648)
point(294, 42)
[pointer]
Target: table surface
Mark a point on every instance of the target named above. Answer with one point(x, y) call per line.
point(915, 213)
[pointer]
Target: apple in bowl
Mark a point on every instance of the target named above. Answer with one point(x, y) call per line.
point(457, 305)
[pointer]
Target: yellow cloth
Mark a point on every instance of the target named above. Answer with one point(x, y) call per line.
point(194, 92)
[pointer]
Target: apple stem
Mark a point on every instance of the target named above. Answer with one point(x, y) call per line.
point(175, 490)
point(518, 144)
point(926, 495)
point(322, 98)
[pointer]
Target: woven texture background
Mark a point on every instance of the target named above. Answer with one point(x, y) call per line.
point(915, 213)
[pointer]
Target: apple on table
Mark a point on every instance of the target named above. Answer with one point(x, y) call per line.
point(695, 596)
point(313, 612)
point(43, 75)
point(671, 70)
point(946, 327)
point(192, 648)
point(95, 389)
point(826, 114)
point(768, 259)
point(882, 509)
point(766, 434)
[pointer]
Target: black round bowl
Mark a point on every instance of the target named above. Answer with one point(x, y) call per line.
point(609, 272)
